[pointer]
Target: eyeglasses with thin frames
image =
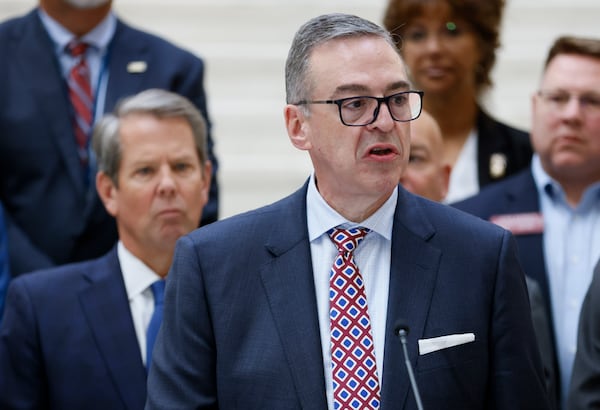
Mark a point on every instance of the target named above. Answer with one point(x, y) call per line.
point(557, 100)
point(364, 110)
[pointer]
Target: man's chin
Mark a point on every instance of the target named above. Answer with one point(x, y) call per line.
point(170, 233)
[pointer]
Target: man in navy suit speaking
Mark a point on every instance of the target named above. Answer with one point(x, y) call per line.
point(296, 305)
point(54, 215)
point(79, 336)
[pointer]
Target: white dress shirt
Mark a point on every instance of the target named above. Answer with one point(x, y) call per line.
point(138, 278)
point(464, 178)
point(373, 258)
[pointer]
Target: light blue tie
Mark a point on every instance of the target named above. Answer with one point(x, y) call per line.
point(158, 289)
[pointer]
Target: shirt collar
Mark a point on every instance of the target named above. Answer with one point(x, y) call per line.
point(548, 188)
point(136, 274)
point(321, 217)
point(99, 37)
point(544, 183)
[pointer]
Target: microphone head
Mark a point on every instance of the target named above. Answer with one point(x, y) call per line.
point(400, 327)
point(401, 330)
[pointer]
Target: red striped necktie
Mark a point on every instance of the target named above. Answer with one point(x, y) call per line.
point(80, 93)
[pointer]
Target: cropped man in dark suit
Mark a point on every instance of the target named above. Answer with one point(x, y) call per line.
point(53, 212)
point(4, 267)
point(584, 392)
point(553, 208)
point(251, 300)
point(79, 336)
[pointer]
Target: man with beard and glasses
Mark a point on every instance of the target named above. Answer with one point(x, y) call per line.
point(64, 64)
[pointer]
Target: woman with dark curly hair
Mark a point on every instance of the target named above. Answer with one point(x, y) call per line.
point(450, 47)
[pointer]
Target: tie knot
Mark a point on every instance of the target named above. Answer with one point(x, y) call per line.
point(77, 48)
point(347, 240)
point(158, 290)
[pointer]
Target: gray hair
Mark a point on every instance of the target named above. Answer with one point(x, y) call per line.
point(315, 32)
point(106, 141)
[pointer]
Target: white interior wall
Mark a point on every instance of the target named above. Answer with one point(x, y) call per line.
point(245, 42)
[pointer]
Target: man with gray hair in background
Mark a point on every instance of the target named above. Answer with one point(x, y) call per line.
point(65, 64)
point(80, 336)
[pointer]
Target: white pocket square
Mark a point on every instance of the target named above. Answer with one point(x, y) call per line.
point(444, 342)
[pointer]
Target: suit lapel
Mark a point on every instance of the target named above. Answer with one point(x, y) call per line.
point(106, 307)
point(40, 70)
point(413, 273)
point(288, 283)
point(123, 51)
point(521, 194)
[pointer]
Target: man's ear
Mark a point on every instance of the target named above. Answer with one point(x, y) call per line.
point(296, 125)
point(107, 191)
point(206, 180)
point(445, 176)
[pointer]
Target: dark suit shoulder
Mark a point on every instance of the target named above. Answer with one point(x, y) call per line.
point(16, 22)
point(456, 222)
point(285, 214)
point(14, 27)
point(68, 275)
point(517, 193)
point(444, 223)
point(155, 43)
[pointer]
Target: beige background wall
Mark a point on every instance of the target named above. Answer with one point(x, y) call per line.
point(245, 42)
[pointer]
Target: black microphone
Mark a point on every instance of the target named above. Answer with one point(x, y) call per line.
point(401, 330)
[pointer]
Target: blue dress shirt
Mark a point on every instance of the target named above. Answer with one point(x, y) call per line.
point(571, 249)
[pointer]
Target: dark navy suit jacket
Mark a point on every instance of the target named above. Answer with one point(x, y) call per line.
point(584, 392)
point(240, 327)
point(515, 195)
point(52, 218)
point(4, 269)
point(67, 340)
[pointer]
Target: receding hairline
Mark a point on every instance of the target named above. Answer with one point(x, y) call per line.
point(401, 84)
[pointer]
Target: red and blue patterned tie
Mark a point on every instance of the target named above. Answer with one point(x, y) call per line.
point(80, 93)
point(355, 382)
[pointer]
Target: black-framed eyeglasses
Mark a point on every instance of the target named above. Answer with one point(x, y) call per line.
point(363, 110)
